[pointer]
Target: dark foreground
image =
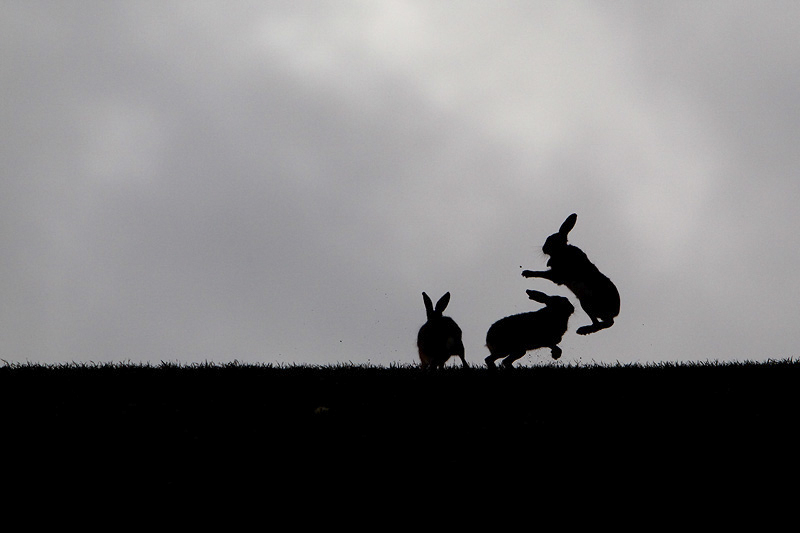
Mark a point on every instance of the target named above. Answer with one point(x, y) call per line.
point(170, 428)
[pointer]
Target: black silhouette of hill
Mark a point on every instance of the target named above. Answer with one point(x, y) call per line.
point(170, 428)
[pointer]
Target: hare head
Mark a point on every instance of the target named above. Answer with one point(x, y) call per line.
point(558, 304)
point(558, 240)
point(441, 305)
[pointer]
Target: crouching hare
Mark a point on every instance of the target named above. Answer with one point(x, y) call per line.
point(512, 336)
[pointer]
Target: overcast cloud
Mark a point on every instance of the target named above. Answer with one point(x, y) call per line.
point(277, 182)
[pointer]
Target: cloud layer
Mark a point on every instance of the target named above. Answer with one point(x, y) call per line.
point(279, 182)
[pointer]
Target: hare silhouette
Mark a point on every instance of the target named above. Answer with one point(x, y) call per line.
point(570, 266)
point(511, 337)
point(440, 337)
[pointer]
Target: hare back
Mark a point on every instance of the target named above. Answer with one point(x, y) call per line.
point(439, 336)
point(571, 263)
point(597, 294)
point(536, 329)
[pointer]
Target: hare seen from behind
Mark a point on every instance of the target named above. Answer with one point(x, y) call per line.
point(440, 337)
point(569, 266)
point(512, 336)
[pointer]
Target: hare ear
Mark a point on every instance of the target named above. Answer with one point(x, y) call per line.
point(568, 224)
point(428, 304)
point(538, 296)
point(442, 303)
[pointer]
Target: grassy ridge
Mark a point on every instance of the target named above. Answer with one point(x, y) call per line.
point(171, 426)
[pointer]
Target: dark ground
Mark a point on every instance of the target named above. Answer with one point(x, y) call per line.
point(575, 430)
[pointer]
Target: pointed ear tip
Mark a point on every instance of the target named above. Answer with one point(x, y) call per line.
point(539, 296)
point(568, 223)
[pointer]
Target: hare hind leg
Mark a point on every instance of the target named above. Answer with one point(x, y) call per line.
point(596, 325)
point(491, 358)
point(509, 360)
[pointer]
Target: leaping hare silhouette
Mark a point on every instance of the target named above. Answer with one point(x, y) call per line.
point(439, 337)
point(569, 266)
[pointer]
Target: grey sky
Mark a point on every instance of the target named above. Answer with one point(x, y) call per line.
point(279, 181)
